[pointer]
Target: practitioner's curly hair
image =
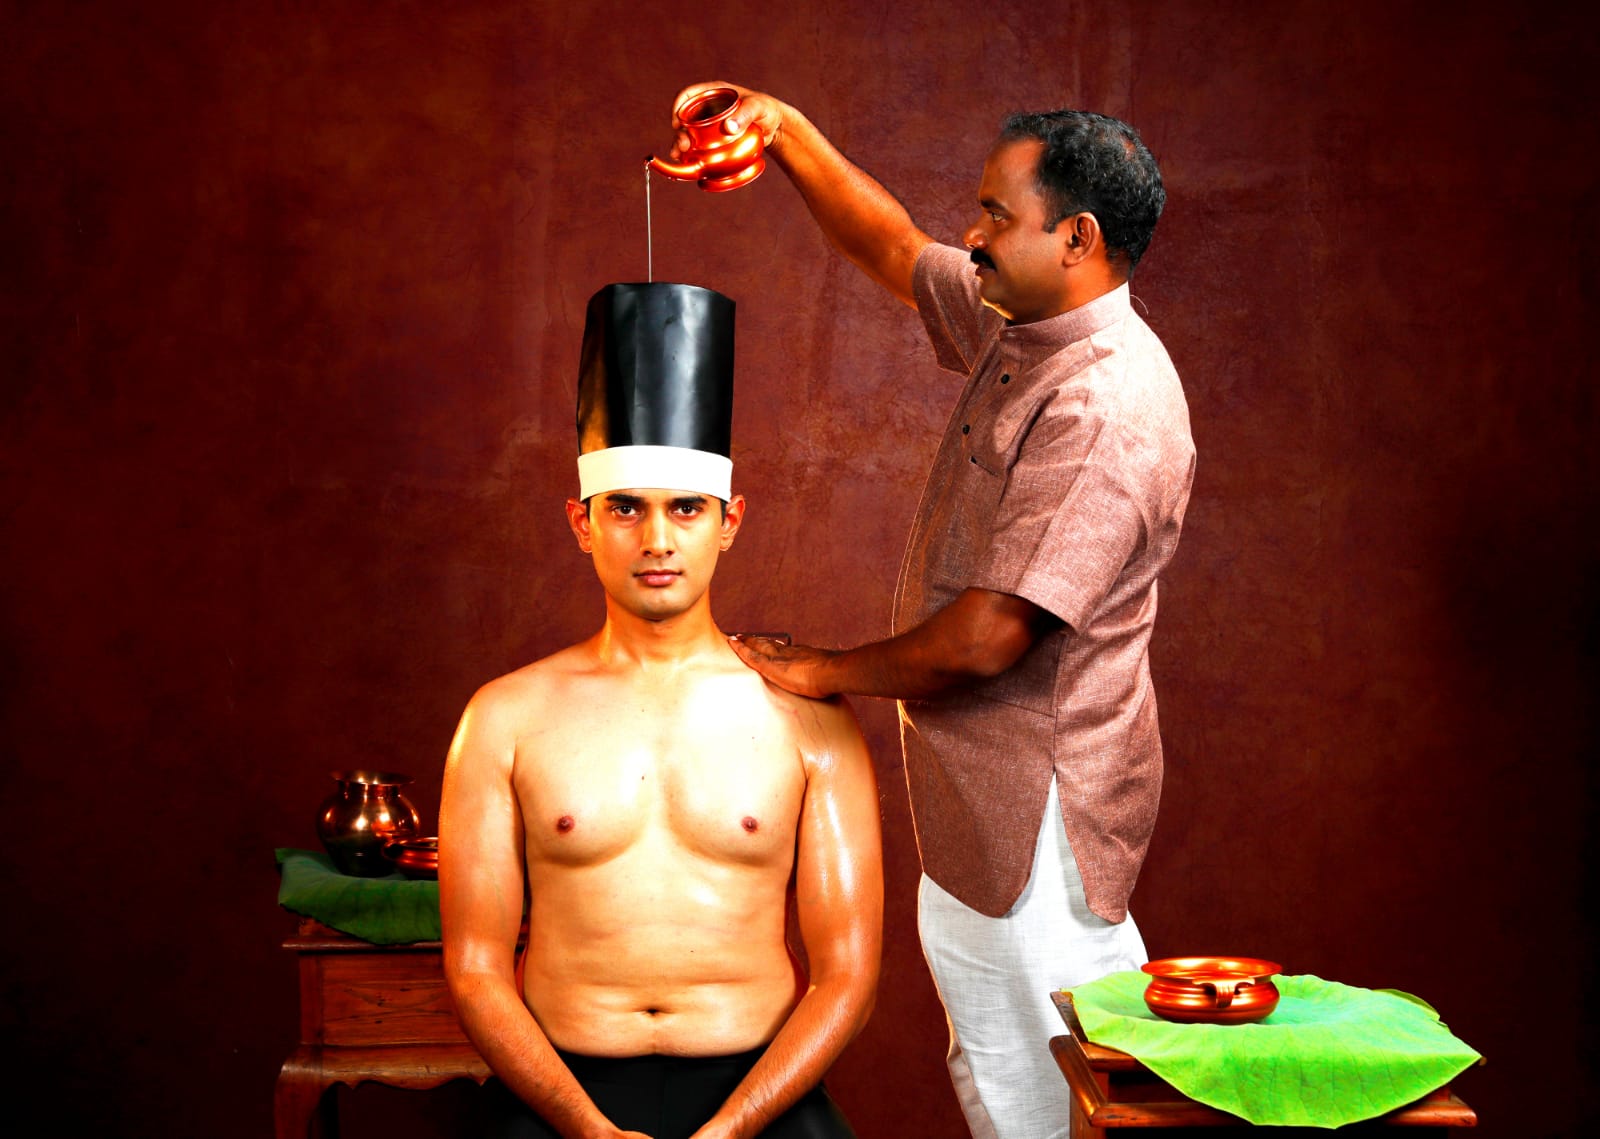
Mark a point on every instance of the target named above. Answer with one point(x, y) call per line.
point(1095, 164)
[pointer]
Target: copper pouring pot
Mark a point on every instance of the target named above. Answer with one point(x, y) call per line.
point(1211, 990)
point(715, 159)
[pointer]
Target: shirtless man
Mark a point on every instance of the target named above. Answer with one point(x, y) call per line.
point(660, 804)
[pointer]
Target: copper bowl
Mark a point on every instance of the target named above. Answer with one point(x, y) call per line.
point(1212, 990)
point(414, 857)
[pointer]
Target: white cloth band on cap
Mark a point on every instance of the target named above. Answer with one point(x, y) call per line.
point(645, 467)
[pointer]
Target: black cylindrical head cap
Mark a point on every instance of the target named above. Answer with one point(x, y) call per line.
point(657, 369)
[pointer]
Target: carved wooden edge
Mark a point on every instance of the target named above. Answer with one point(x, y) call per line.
point(401, 1066)
point(311, 936)
point(311, 1072)
point(1081, 1081)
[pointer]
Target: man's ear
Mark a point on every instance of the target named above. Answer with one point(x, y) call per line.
point(578, 519)
point(1083, 239)
point(732, 518)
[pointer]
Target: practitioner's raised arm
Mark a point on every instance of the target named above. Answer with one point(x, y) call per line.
point(863, 220)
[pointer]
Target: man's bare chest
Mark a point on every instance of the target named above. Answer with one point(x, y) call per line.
point(726, 783)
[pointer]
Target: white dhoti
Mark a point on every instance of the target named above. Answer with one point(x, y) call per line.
point(995, 977)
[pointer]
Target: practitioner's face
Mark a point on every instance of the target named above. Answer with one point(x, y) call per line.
point(1022, 269)
point(655, 550)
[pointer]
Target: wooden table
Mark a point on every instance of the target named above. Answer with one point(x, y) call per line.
point(367, 1012)
point(1112, 1090)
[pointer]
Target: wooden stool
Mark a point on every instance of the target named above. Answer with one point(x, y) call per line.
point(367, 1012)
point(1112, 1090)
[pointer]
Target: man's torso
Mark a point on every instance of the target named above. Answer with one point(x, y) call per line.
point(659, 813)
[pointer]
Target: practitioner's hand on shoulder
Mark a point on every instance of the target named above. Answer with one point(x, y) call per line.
point(754, 107)
point(794, 668)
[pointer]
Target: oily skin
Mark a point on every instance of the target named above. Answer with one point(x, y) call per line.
point(661, 804)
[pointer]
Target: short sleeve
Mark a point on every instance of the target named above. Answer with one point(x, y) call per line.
point(947, 298)
point(1069, 519)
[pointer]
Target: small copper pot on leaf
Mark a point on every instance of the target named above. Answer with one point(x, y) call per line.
point(715, 159)
point(1211, 990)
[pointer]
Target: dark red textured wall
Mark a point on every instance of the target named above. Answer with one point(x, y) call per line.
point(292, 298)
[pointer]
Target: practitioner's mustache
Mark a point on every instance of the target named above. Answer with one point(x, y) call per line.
point(979, 257)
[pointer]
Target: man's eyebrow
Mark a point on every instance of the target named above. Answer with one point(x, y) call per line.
point(997, 206)
point(690, 500)
point(624, 499)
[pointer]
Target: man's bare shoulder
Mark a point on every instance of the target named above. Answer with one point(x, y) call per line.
point(512, 698)
point(498, 716)
point(826, 730)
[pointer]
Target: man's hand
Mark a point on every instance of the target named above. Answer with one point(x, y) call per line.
point(796, 668)
point(754, 107)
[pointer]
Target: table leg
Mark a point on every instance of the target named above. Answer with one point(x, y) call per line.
point(303, 1091)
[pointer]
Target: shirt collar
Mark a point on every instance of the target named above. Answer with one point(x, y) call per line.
point(1033, 342)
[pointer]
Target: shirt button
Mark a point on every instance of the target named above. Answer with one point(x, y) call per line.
point(1006, 379)
point(965, 427)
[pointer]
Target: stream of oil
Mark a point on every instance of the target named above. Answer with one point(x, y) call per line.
point(649, 237)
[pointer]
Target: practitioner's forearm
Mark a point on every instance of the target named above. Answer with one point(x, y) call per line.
point(860, 218)
point(917, 665)
point(977, 636)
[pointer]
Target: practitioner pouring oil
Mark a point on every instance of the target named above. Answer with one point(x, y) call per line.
point(1027, 595)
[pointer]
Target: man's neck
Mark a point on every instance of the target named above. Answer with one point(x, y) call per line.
point(628, 639)
point(1091, 283)
point(1079, 291)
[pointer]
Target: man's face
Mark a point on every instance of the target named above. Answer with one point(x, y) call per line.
point(655, 550)
point(1022, 271)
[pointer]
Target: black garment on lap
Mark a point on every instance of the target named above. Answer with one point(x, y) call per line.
point(670, 1097)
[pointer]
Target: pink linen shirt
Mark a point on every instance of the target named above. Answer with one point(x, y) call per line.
point(1062, 478)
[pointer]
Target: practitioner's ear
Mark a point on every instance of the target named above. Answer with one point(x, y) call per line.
point(1082, 239)
point(578, 519)
point(732, 518)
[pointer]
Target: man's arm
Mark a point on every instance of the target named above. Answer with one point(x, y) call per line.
point(862, 219)
point(977, 636)
point(480, 905)
point(839, 898)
